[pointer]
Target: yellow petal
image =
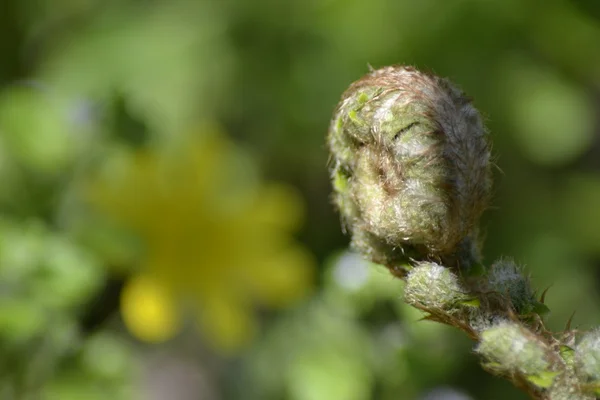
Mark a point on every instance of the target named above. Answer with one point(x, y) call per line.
point(227, 322)
point(283, 279)
point(148, 310)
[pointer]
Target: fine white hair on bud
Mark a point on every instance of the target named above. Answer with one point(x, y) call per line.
point(482, 319)
point(410, 166)
point(587, 354)
point(433, 286)
point(506, 278)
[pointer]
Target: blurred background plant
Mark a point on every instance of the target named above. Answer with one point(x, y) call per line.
point(166, 229)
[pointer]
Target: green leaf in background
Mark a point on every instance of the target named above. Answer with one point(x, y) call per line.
point(324, 375)
point(33, 124)
point(20, 320)
point(108, 356)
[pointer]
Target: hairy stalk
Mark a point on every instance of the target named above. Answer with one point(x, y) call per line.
point(411, 176)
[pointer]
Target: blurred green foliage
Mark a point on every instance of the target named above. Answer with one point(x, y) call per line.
point(86, 84)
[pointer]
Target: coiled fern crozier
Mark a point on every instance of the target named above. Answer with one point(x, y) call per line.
point(411, 172)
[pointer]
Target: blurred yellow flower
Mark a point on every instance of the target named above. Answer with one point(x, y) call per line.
point(217, 240)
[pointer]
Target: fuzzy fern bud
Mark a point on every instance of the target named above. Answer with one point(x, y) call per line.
point(510, 349)
point(506, 278)
point(432, 286)
point(411, 167)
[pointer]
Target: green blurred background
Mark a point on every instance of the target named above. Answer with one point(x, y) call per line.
point(166, 228)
